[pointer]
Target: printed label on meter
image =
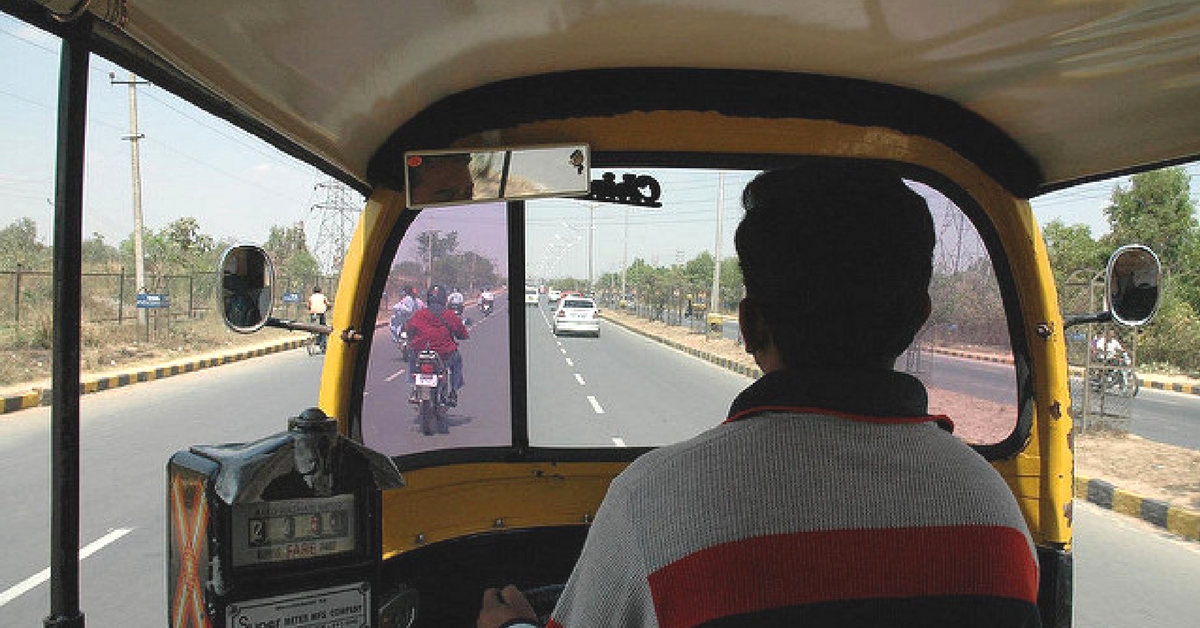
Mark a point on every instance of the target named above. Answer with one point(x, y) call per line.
point(293, 529)
point(346, 606)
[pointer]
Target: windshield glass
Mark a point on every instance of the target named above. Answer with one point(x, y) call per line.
point(635, 351)
point(462, 250)
point(667, 359)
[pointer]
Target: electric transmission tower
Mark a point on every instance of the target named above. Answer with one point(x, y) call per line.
point(337, 209)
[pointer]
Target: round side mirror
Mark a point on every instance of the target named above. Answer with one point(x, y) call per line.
point(1133, 285)
point(246, 278)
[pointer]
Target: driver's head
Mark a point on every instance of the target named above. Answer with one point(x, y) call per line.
point(837, 259)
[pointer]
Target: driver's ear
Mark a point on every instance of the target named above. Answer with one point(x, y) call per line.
point(754, 329)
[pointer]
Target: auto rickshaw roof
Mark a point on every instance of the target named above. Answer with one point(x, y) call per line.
point(1069, 91)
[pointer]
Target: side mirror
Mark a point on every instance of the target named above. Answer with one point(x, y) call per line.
point(1133, 285)
point(246, 279)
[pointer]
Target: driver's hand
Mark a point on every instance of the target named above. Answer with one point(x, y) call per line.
point(501, 606)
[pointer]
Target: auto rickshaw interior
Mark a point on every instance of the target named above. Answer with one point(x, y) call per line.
point(544, 421)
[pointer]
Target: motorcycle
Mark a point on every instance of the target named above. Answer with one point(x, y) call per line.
point(431, 392)
point(1116, 376)
point(485, 307)
point(402, 344)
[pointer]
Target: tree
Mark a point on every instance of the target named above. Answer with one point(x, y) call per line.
point(1156, 210)
point(19, 244)
point(294, 263)
point(1072, 248)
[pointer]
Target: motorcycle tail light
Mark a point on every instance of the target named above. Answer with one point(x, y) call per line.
point(427, 368)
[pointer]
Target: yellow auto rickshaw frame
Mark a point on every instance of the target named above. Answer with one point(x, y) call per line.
point(475, 498)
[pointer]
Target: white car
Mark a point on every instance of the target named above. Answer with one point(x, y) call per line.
point(553, 294)
point(576, 315)
point(531, 295)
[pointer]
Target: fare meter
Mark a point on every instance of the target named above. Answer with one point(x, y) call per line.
point(281, 532)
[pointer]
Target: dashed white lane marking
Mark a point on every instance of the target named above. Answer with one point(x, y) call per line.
point(579, 378)
point(618, 442)
point(570, 362)
point(563, 350)
point(395, 375)
point(595, 405)
point(33, 581)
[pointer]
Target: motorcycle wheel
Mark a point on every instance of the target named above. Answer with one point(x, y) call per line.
point(428, 416)
point(1132, 383)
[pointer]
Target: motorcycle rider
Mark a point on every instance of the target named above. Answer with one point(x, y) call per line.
point(487, 300)
point(455, 301)
point(437, 328)
point(1112, 353)
point(403, 310)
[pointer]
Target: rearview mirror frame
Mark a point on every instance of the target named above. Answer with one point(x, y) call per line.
point(247, 280)
point(1133, 285)
point(441, 178)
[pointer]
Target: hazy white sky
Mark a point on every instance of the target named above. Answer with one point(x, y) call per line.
point(239, 187)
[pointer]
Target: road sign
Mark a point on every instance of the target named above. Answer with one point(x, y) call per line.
point(151, 301)
point(291, 297)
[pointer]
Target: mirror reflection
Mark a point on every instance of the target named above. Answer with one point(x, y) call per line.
point(443, 178)
point(1134, 279)
point(246, 277)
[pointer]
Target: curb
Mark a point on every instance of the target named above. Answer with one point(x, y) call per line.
point(1179, 521)
point(42, 396)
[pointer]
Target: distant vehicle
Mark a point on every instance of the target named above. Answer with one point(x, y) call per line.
point(553, 294)
point(531, 295)
point(576, 315)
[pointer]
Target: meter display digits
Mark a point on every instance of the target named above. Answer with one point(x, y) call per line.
point(295, 529)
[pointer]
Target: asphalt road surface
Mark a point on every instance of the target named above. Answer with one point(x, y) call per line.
point(617, 390)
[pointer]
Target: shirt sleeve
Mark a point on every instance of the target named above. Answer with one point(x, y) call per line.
point(609, 586)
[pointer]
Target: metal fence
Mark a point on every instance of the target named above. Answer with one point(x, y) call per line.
point(112, 298)
point(1102, 390)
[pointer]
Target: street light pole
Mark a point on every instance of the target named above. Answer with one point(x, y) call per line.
point(714, 302)
point(139, 256)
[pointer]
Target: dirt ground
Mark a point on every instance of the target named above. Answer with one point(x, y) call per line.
point(1147, 468)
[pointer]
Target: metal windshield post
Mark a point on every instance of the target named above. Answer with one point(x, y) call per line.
point(68, 266)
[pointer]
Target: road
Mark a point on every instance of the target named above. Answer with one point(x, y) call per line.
point(618, 390)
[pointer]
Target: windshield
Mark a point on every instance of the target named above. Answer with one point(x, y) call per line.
point(662, 358)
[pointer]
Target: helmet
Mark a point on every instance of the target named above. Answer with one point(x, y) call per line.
point(436, 296)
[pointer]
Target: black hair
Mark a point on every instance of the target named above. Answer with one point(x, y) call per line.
point(837, 258)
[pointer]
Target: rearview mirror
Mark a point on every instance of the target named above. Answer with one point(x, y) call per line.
point(1132, 285)
point(246, 278)
point(458, 177)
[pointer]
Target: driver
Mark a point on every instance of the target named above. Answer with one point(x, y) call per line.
point(829, 496)
point(437, 327)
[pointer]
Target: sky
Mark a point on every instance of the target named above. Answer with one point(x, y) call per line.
point(238, 187)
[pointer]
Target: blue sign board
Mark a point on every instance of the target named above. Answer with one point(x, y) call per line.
point(148, 300)
point(291, 297)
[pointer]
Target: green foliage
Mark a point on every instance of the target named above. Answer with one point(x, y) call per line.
point(1156, 210)
point(19, 245)
point(288, 248)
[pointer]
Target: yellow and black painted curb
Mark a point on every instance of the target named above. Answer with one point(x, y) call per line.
point(1179, 521)
point(41, 397)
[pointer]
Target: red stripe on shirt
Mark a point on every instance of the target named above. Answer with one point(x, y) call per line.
point(835, 565)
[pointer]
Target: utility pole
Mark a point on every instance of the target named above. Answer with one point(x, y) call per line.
point(139, 255)
point(714, 302)
point(590, 242)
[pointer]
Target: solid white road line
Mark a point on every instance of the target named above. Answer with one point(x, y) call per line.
point(595, 405)
point(33, 581)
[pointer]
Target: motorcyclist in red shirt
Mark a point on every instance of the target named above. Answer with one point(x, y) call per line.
point(438, 328)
